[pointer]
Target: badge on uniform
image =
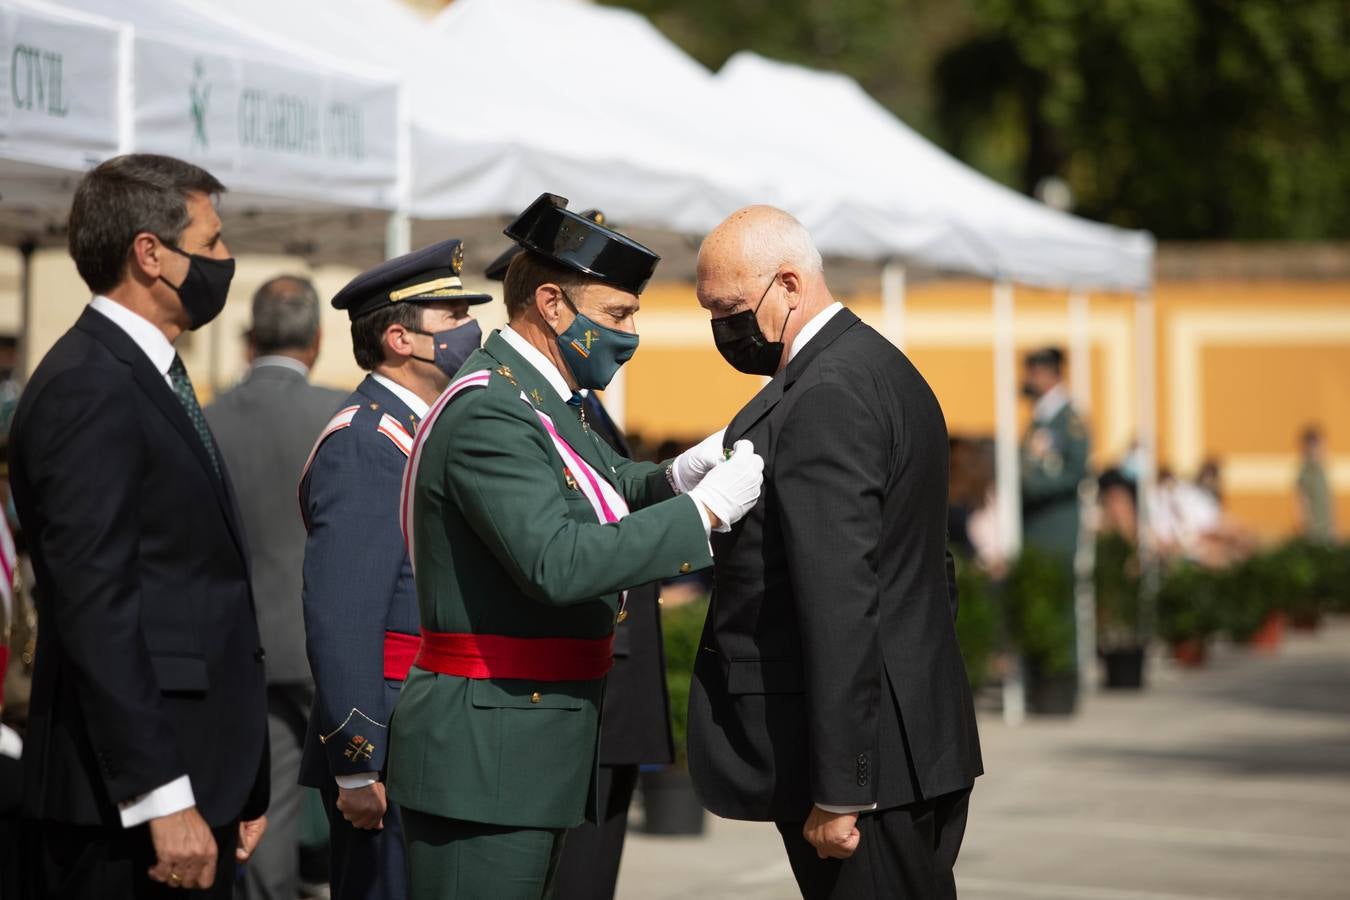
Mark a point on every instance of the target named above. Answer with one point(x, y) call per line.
point(537, 397)
point(505, 372)
point(571, 482)
point(359, 749)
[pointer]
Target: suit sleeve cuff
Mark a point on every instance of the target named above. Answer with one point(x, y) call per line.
point(843, 809)
point(164, 800)
point(359, 780)
point(703, 517)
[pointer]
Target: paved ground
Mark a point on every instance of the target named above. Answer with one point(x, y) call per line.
point(1232, 782)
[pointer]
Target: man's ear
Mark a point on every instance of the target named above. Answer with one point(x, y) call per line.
point(146, 257)
point(548, 302)
point(398, 340)
point(792, 281)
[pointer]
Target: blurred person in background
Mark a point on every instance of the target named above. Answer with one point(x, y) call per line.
point(264, 428)
point(411, 329)
point(1209, 479)
point(1117, 505)
point(145, 757)
point(1054, 459)
point(1316, 502)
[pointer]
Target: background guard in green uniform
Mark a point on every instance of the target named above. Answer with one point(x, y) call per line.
point(514, 566)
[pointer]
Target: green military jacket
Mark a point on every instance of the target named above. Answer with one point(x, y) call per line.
point(1054, 463)
point(506, 545)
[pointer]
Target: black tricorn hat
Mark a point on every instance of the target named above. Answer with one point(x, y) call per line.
point(548, 228)
point(423, 276)
point(496, 270)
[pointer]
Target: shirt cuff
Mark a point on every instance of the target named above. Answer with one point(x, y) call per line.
point(703, 517)
point(841, 810)
point(164, 800)
point(359, 780)
point(11, 744)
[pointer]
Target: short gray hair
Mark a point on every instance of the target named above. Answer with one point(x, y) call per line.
point(285, 315)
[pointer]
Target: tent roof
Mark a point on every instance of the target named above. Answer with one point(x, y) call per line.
point(897, 194)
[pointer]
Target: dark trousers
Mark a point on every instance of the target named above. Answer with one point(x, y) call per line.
point(76, 862)
point(905, 853)
point(589, 868)
point(365, 864)
point(449, 859)
point(273, 872)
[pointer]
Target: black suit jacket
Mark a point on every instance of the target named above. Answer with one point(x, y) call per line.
point(635, 716)
point(829, 670)
point(148, 660)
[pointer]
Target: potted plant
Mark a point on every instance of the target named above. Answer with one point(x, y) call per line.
point(1186, 617)
point(1120, 640)
point(669, 802)
point(1250, 609)
point(1307, 581)
point(977, 624)
point(1039, 596)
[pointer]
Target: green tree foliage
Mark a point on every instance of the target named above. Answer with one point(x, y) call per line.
point(1197, 119)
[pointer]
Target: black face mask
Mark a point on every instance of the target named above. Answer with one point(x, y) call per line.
point(205, 287)
point(741, 341)
point(452, 346)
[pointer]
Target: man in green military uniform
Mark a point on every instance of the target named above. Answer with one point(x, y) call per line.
point(519, 527)
point(1054, 459)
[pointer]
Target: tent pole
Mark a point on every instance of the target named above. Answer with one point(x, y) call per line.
point(1080, 386)
point(26, 250)
point(1146, 406)
point(1007, 477)
point(398, 234)
point(616, 399)
point(893, 302)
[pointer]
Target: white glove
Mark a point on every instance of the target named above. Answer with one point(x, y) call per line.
point(731, 489)
point(690, 466)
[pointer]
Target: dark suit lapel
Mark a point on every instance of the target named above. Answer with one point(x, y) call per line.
point(758, 407)
point(153, 383)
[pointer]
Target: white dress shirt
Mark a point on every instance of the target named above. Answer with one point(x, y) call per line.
point(415, 403)
point(176, 795)
point(813, 327)
point(1050, 403)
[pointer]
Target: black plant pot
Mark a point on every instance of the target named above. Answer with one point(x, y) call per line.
point(1124, 668)
point(670, 804)
point(1052, 695)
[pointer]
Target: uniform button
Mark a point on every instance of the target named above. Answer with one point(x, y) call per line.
point(660, 601)
point(535, 698)
point(684, 569)
point(260, 654)
point(623, 614)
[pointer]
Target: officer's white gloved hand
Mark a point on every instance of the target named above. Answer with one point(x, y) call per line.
point(730, 490)
point(691, 465)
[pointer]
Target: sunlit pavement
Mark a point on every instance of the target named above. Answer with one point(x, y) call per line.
point(1227, 783)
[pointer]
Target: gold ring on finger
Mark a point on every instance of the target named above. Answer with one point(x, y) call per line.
point(175, 878)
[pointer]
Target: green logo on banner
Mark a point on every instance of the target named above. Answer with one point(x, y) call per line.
point(200, 93)
point(36, 81)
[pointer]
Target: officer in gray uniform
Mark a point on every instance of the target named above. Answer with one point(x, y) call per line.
point(410, 330)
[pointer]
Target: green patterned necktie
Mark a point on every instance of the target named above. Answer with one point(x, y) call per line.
point(182, 387)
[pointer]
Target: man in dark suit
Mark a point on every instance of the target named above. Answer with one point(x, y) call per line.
point(265, 428)
point(635, 727)
point(146, 754)
point(829, 696)
point(411, 330)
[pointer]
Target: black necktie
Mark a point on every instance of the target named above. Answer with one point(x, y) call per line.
point(182, 388)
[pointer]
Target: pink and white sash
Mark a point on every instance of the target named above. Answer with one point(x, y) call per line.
point(605, 500)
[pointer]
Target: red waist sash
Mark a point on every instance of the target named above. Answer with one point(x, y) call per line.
point(532, 659)
point(399, 651)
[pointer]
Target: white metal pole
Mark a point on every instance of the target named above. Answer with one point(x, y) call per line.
point(893, 302)
point(1146, 405)
point(1080, 389)
point(1007, 469)
point(1080, 352)
point(398, 231)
